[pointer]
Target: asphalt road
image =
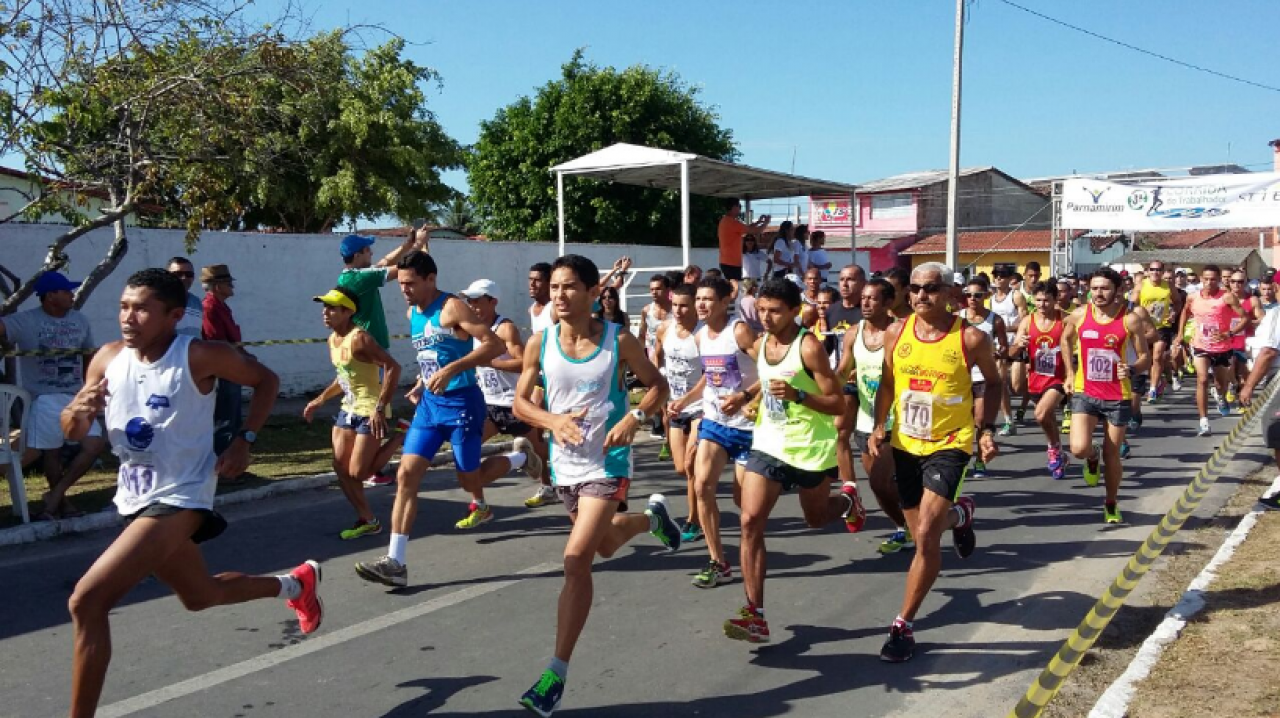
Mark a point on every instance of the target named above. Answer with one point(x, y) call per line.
point(476, 626)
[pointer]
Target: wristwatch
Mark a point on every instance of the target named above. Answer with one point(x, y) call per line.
point(248, 436)
point(801, 395)
point(638, 415)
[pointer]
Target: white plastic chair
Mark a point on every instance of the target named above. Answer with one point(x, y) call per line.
point(11, 451)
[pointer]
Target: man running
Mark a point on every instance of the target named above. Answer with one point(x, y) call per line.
point(899, 278)
point(583, 362)
point(367, 377)
point(861, 370)
point(1242, 328)
point(450, 404)
point(1212, 309)
point(1100, 334)
point(1154, 294)
point(992, 324)
point(540, 310)
point(1011, 306)
point(676, 350)
point(928, 386)
point(156, 389)
point(727, 350)
point(1019, 367)
point(1175, 361)
point(1039, 336)
point(794, 444)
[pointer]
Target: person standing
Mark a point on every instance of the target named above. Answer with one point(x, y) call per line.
point(782, 254)
point(218, 324)
point(731, 233)
point(817, 257)
point(156, 390)
point(927, 385)
point(754, 259)
point(800, 250)
point(582, 362)
point(192, 323)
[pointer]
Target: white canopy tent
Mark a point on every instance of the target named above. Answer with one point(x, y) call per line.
point(690, 174)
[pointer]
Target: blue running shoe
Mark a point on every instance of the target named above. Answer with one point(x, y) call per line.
point(544, 697)
point(1124, 450)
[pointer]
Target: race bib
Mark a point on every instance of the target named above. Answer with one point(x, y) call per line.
point(1158, 310)
point(916, 414)
point(489, 380)
point(1047, 362)
point(775, 409)
point(1101, 366)
point(723, 375)
point(136, 479)
point(1208, 332)
point(428, 363)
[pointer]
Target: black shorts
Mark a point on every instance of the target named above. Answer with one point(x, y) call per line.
point(731, 272)
point(775, 469)
point(504, 418)
point(1140, 383)
point(1115, 412)
point(684, 422)
point(1035, 398)
point(210, 528)
point(1216, 359)
point(979, 389)
point(941, 472)
point(1166, 334)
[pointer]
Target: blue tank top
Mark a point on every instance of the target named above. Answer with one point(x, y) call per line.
point(437, 346)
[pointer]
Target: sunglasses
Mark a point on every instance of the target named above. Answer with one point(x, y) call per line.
point(184, 275)
point(975, 295)
point(930, 288)
point(1235, 281)
point(1155, 269)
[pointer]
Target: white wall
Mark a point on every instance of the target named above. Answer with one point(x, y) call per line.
point(277, 274)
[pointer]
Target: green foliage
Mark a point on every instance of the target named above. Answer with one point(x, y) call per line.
point(586, 109)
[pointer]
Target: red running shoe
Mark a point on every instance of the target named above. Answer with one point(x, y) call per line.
point(749, 626)
point(307, 605)
point(855, 515)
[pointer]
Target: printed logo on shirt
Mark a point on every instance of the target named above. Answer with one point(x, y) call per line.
point(586, 386)
point(156, 401)
point(1089, 334)
point(139, 433)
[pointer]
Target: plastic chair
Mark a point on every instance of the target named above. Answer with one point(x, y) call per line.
point(11, 451)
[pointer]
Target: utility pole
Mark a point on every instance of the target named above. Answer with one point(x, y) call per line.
point(953, 181)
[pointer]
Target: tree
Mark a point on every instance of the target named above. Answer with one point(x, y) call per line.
point(458, 214)
point(586, 109)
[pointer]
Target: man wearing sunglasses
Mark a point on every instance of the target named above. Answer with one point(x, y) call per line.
point(1242, 328)
point(1154, 294)
point(928, 386)
point(193, 315)
point(1212, 309)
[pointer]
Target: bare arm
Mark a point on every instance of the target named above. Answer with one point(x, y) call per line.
point(1021, 338)
point(978, 345)
point(632, 354)
point(389, 262)
point(510, 336)
point(1261, 367)
point(91, 400)
point(215, 360)
point(814, 356)
point(1137, 327)
point(1068, 349)
point(368, 350)
point(456, 314)
point(999, 334)
point(309, 411)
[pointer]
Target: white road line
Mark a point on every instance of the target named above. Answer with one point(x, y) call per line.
point(226, 674)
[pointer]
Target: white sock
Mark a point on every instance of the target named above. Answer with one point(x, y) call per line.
point(517, 459)
point(290, 587)
point(399, 545)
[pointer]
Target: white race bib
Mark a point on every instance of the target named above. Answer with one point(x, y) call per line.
point(137, 479)
point(1047, 361)
point(775, 409)
point(1101, 366)
point(916, 414)
point(428, 363)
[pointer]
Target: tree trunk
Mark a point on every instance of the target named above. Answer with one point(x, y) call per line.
point(52, 260)
point(115, 253)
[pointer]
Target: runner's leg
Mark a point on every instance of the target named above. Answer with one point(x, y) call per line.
point(344, 443)
point(820, 506)
point(928, 521)
point(711, 460)
point(679, 441)
point(759, 495)
point(1111, 464)
point(1203, 372)
point(1047, 416)
point(880, 473)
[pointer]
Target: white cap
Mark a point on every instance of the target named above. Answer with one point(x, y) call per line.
point(795, 279)
point(481, 288)
point(957, 279)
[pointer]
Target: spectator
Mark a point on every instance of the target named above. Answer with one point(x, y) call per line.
point(53, 380)
point(800, 250)
point(781, 253)
point(220, 325)
point(611, 309)
point(754, 259)
point(731, 232)
point(747, 305)
point(818, 254)
point(692, 274)
point(192, 323)
point(365, 278)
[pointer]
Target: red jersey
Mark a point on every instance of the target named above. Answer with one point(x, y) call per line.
point(1045, 355)
point(1101, 347)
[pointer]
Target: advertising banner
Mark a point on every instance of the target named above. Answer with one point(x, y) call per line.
point(1210, 202)
point(830, 214)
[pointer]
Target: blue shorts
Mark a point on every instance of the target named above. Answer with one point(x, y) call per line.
point(457, 417)
point(735, 442)
point(353, 422)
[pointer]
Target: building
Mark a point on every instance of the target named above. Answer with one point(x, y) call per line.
point(984, 251)
point(19, 188)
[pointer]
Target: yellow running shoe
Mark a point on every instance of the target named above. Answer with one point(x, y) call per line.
point(545, 495)
point(479, 515)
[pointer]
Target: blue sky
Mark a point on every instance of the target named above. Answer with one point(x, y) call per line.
point(861, 90)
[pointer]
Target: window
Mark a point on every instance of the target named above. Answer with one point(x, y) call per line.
point(892, 206)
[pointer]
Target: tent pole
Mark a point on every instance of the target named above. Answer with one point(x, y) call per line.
point(560, 207)
point(684, 211)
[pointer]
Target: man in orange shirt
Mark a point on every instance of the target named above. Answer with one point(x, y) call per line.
point(731, 232)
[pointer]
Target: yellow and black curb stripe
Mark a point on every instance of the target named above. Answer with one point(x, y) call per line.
point(1050, 681)
point(85, 352)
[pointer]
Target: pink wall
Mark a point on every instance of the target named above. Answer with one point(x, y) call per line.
point(906, 225)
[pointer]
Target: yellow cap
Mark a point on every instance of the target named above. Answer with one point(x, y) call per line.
point(336, 298)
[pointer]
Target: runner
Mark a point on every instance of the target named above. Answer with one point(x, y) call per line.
point(728, 352)
point(677, 354)
point(794, 444)
point(1158, 297)
point(450, 404)
point(497, 380)
point(992, 324)
point(899, 278)
point(861, 370)
point(1099, 334)
point(367, 377)
point(1012, 308)
point(1242, 327)
point(1040, 337)
point(1212, 308)
point(583, 362)
point(928, 386)
point(156, 389)
point(1140, 380)
point(1176, 359)
point(1020, 369)
point(541, 313)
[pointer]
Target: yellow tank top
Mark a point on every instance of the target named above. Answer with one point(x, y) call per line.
point(1158, 301)
point(359, 380)
point(933, 408)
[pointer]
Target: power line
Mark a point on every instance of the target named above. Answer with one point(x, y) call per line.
point(1135, 48)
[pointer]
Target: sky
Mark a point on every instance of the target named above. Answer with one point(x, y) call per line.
point(861, 89)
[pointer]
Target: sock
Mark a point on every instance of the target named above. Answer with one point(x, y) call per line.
point(290, 587)
point(517, 459)
point(399, 545)
point(559, 667)
point(900, 621)
point(655, 523)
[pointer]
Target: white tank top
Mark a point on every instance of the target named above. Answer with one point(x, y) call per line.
point(870, 366)
point(1007, 310)
point(499, 387)
point(161, 427)
point(987, 326)
point(593, 383)
point(539, 322)
point(728, 370)
point(682, 364)
point(649, 319)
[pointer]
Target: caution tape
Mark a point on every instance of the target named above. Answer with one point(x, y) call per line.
point(86, 352)
point(1050, 681)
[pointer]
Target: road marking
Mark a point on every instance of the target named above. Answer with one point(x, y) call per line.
point(226, 674)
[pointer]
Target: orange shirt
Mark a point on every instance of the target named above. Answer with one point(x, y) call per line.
point(731, 231)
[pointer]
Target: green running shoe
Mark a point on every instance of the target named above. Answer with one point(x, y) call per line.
point(362, 528)
point(1092, 467)
point(897, 541)
point(665, 452)
point(1111, 514)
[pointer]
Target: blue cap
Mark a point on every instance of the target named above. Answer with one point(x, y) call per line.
point(353, 243)
point(54, 282)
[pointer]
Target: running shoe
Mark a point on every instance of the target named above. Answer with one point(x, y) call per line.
point(532, 462)
point(1271, 502)
point(665, 452)
point(1006, 429)
point(545, 495)
point(1092, 468)
point(382, 478)
point(897, 541)
point(1152, 395)
point(854, 514)
point(1135, 423)
point(690, 533)
point(1204, 426)
point(748, 626)
point(666, 530)
point(1066, 419)
point(386, 571)
point(979, 470)
point(713, 575)
point(1057, 462)
point(962, 535)
point(1124, 450)
point(362, 528)
point(1111, 514)
point(1176, 384)
point(476, 515)
point(1231, 393)
point(307, 605)
point(901, 645)
point(544, 697)
point(1020, 415)
point(1161, 388)
point(1224, 407)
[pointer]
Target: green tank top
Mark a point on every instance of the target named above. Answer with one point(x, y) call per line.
point(787, 430)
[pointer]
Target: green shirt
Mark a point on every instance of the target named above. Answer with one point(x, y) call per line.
point(788, 430)
point(366, 284)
